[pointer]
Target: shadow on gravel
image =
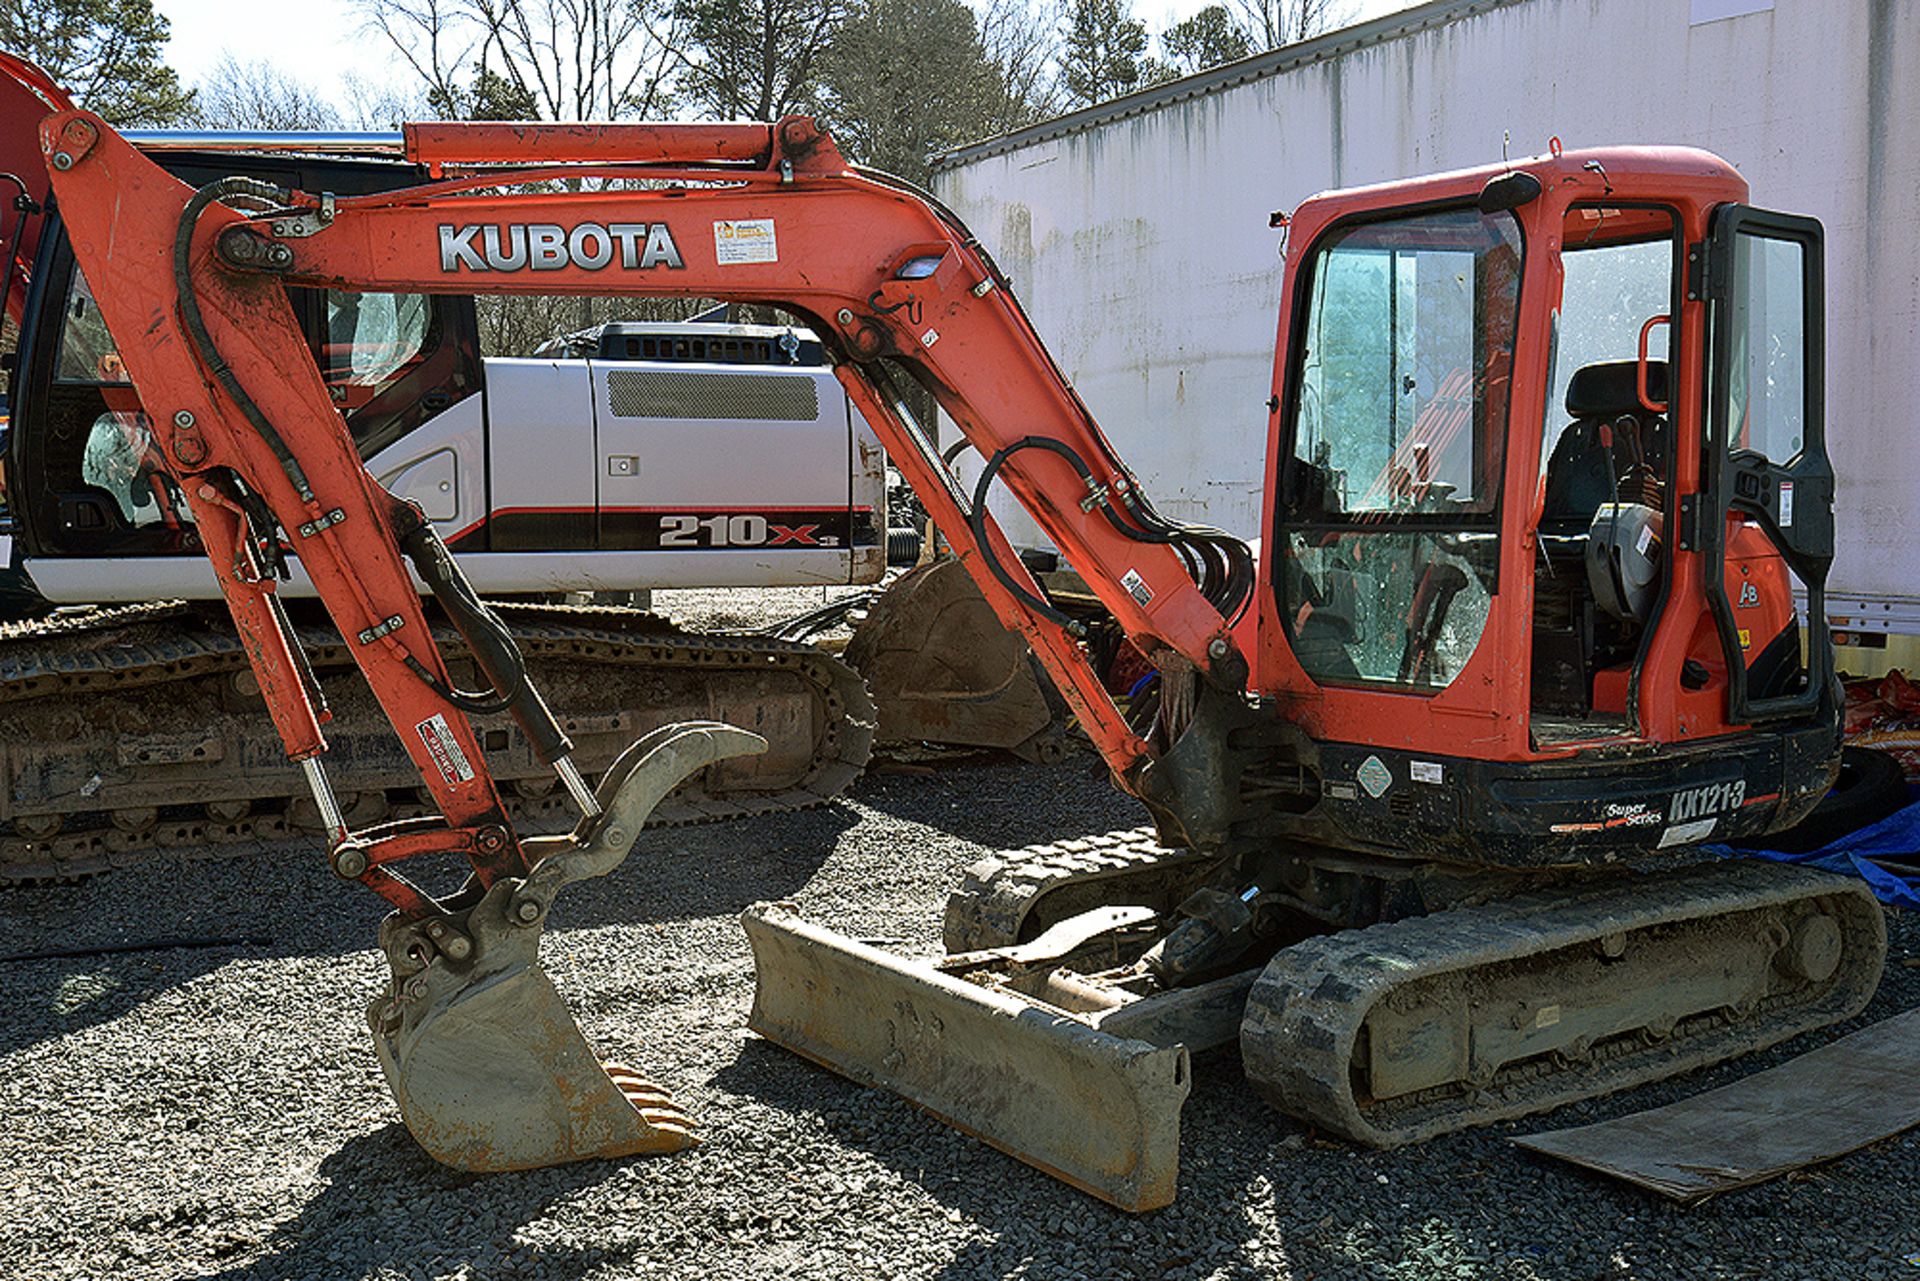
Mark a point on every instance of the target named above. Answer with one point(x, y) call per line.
point(1033, 1224)
point(1004, 803)
point(55, 998)
point(282, 902)
point(386, 1204)
point(1258, 1197)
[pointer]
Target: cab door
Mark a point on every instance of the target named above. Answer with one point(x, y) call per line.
point(1769, 494)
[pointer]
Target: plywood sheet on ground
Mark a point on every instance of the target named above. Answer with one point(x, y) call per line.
point(1823, 1104)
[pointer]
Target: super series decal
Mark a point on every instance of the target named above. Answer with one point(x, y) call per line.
point(1691, 811)
point(546, 246)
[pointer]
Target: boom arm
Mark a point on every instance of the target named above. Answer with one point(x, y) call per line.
point(751, 213)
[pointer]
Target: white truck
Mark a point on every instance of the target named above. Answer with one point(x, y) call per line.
point(640, 455)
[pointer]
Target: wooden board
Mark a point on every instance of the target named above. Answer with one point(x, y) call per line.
point(1823, 1104)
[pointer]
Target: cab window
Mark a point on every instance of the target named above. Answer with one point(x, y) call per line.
point(118, 453)
point(371, 340)
point(87, 350)
point(1766, 385)
point(1390, 501)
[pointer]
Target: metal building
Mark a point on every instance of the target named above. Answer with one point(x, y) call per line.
point(1136, 231)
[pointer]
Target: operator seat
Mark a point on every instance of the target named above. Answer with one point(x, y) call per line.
point(1611, 432)
point(1608, 419)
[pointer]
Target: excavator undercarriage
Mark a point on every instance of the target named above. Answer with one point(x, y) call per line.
point(1056, 1029)
point(138, 729)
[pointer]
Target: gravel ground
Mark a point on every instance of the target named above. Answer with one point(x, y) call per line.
point(216, 1111)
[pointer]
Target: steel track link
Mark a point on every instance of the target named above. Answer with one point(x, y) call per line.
point(1000, 899)
point(95, 655)
point(1301, 1038)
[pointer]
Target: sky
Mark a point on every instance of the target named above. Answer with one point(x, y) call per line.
point(332, 43)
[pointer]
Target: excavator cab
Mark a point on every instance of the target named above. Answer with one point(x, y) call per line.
point(1522, 516)
point(93, 494)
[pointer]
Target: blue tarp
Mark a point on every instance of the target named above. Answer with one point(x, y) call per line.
point(1894, 837)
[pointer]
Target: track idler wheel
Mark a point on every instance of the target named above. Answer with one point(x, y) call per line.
point(487, 1064)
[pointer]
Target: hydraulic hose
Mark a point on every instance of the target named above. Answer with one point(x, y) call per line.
point(196, 324)
point(493, 648)
point(1220, 564)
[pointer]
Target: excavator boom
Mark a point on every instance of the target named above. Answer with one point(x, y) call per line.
point(487, 1065)
point(750, 213)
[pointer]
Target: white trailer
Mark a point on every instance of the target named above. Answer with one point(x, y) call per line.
point(1136, 232)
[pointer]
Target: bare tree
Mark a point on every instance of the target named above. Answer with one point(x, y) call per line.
point(566, 59)
point(382, 106)
point(1272, 23)
point(431, 36)
point(1022, 40)
point(515, 325)
point(256, 95)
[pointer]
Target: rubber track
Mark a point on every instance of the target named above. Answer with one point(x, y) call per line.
point(1305, 1014)
point(99, 652)
point(998, 902)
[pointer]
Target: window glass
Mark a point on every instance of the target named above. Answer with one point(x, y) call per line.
point(1406, 608)
point(87, 350)
point(1392, 496)
point(1768, 382)
point(122, 458)
point(1608, 293)
point(1407, 363)
point(371, 338)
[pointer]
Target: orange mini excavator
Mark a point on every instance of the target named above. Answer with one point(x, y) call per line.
point(1423, 775)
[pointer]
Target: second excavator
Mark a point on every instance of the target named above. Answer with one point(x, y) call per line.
point(1424, 775)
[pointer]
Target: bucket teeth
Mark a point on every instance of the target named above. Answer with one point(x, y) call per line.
point(488, 1066)
point(649, 1100)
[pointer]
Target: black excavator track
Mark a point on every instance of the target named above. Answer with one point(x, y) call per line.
point(132, 729)
point(1398, 1032)
point(1498, 1006)
point(1013, 897)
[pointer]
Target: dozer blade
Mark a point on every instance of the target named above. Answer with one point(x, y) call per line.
point(488, 1066)
point(943, 668)
point(1100, 1111)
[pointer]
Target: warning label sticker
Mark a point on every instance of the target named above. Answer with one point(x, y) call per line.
point(445, 749)
point(1136, 587)
point(1687, 833)
point(737, 241)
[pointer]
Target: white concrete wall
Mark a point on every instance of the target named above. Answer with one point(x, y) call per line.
point(1142, 250)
